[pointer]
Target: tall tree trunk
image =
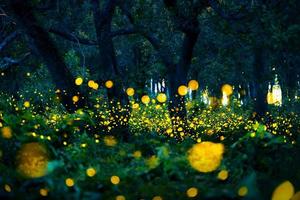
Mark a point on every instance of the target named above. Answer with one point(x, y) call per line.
point(107, 60)
point(260, 104)
point(177, 75)
point(43, 44)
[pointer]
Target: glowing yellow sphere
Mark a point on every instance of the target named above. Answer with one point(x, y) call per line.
point(130, 91)
point(135, 106)
point(182, 90)
point(95, 86)
point(157, 198)
point(192, 192)
point(115, 180)
point(243, 191)
point(110, 140)
point(284, 191)
point(120, 197)
point(137, 154)
point(91, 172)
point(6, 132)
point(223, 175)
point(227, 89)
point(32, 160)
point(75, 99)
point(69, 182)
point(26, 104)
point(7, 188)
point(193, 84)
point(161, 97)
point(43, 192)
point(109, 84)
point(145, 99)
point(78, 81)
point(91, 83)
point(206, 156)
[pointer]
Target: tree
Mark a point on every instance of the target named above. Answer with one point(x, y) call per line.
point(42, 43)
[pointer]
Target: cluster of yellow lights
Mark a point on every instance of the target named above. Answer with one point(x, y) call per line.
point(92, 84)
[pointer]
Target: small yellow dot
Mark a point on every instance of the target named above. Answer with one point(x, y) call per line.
point(91, 172)
point(157, 198)
point(7, 188)
point(115, 180)
point(26, 104)
point(75, 99)
point(109, 84)
point(223, 175)
point(43, 192)
point(243, 191)
point(192, 192)
point(78, 81)
point(69, 182)
point(120, 197)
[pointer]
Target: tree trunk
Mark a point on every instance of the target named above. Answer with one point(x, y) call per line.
point(107, 61)
point(43, 44)
point(177, 75)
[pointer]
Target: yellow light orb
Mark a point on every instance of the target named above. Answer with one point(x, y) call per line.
point(44, 192)
point(145, 99)
point(110, 140)
point(243, 191)
point(78, 81)
point(7, 188)
point(182, 90)
point(161, 97)
point(192, 192)
point(193, 84)
point(32, 160)
point(95, 86)
point(135, 106)
point(69, 182)
point(206, 156)
point(137, 154)
point(6, 132)
point(227, 89)
point(284, 191)
point(223, 175)
point(75, 99)
point(109, 84)
point(157, 198)
point(91, 83)
point(91, 172)
point(120, 197)
point(130, 91)
point(26, 104)
point(115, 180)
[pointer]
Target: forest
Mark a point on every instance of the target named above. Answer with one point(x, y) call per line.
point(150, 99)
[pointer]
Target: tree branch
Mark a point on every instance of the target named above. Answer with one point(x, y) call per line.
point(9, 62)
point(73, 38)
point(8, 39)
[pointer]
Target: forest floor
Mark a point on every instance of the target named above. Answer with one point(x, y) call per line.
point(229, 156)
